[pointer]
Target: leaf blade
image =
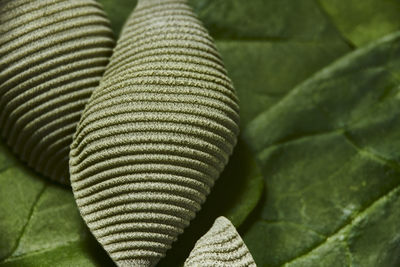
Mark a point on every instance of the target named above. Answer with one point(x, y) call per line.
point(333, 152)
point(39, 221)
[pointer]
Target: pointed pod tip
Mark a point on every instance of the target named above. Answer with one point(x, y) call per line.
point(220, 246)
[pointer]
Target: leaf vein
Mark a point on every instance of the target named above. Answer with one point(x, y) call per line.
point(40, 251)
point(374, 156)
point(30, 215)
point(383, 198)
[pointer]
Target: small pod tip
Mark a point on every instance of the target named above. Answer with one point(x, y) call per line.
point(220, 246)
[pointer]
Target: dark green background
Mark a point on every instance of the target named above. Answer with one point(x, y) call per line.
point(319, 89)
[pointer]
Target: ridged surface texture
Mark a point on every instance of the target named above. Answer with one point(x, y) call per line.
point(220, 246)
point(52, 56)
point(155, 135)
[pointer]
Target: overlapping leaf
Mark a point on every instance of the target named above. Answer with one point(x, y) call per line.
point(39, 221)
point(330, 157)
point(363, 22)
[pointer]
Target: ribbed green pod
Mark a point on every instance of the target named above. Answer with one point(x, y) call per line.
point(52, 56)
point(155, 135)
point(220, 246)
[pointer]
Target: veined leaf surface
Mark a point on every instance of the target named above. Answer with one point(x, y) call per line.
point(330, 156)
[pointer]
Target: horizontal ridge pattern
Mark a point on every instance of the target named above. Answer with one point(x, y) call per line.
point(155, 135)
point(53, 54)
point(220, 246)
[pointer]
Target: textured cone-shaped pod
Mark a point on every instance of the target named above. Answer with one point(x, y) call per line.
point(220, 246)
point(52, 56)
point(155, 134)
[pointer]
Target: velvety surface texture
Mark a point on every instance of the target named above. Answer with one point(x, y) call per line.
point(53, 54)
point(155, 135)
point(220, 246)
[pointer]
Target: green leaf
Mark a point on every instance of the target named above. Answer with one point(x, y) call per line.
point(330, 155)
point(39, 222)
point(362, 23)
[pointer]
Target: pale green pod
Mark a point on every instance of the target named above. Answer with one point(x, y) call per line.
point(155, 135)
point(52, 56)
point(220, 246)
